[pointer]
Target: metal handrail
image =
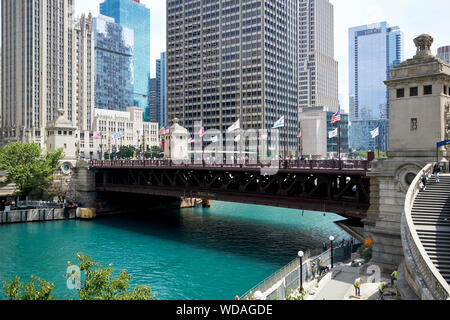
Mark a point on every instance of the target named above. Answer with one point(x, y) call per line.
point(283, 164)
point(271, 280)
point(431, 275)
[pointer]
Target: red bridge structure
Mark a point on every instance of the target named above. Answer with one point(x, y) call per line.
point(340, 187)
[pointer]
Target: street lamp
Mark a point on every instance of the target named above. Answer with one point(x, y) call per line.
point(300, 270)
point(331, 240)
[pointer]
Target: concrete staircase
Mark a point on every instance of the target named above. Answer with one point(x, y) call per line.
point(431, 217)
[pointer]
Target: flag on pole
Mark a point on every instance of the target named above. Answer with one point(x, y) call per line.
point(139, 133)
point(352, 150)
point(299, 135)
point(117, 135)
point(235, 126)
point(336, 117)
point(375, 133)
point(97, 136)
point(279, 123)
point(191, 140)
point(164, 131)
point(333, 133)
point(238, 138)
point(201, 132)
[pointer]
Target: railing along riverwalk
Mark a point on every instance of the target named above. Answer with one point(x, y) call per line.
point(290, 272)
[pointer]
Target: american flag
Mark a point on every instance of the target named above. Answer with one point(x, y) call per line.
point(299, 135)
point(201, 132)
point(164, 131)
point(191, 140)
point(97, 136)
point(336, 117)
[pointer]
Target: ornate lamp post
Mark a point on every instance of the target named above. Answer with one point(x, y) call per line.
point(331, 246)
point(300, 270)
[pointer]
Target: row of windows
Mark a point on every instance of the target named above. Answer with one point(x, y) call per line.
point(414, 91)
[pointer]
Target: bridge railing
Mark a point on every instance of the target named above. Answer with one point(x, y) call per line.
point(422, 275)
point(284, 164)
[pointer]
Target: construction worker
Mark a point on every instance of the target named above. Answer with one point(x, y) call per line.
point(313, 269)
point(381, 289)
point(393, 277)
point(357, 285)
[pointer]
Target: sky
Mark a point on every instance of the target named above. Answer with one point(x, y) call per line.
point(414, 17)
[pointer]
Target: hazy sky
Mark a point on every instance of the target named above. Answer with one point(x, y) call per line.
point(414, 17)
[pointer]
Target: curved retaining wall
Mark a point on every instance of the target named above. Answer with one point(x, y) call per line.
point(420, 272)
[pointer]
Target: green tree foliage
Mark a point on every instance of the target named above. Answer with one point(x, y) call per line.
point(100, 283)
point(36, 289)
point(28, 167)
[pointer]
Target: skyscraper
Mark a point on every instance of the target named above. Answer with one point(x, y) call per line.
point(134, 15)
point(230, 60)
point(37, 63)
point(318, 71)
point(444, 53)
point(373, 50)
point(161, 81)
point(154, 101)
point(114, 46)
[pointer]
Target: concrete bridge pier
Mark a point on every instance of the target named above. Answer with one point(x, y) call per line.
point(389, 182)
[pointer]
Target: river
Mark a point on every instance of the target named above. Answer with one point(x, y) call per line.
point(189, 254)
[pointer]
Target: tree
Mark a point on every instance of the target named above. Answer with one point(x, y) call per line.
point(100, 283)
point(27, 167)
point(36, 289)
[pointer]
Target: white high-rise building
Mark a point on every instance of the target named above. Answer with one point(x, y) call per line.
point(318, 71)
point(37, 64)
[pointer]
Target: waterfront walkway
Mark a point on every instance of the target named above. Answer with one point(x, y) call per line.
point(338, 285)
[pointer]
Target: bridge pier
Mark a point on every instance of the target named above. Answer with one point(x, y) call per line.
point(389, 182)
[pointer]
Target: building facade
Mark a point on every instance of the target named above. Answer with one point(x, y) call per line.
point(318, 71)
point(154, 99)
point(230, 60)
point(444, 53)
point(84, 79)
point(373, 50)
point(161, 96)
point(38, 57)
point(130, 123)
point(134, 15)
point(316, 126)
point(114, 73)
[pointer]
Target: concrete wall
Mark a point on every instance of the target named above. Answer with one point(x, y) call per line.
point(34, 215)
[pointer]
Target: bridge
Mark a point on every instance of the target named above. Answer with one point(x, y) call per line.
point(334, 186)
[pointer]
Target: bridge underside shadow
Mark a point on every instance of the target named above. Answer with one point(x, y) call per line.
point(343, 193)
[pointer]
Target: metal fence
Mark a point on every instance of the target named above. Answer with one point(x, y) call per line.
point(290, 273)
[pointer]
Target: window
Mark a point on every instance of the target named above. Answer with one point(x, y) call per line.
point(413, 92)
point(413, 124)
point(400, 93)
point(428, 90)
point(445, 90)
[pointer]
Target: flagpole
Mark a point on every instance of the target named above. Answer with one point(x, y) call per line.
point(101, 146)
point(339, 144)
point(378, 141)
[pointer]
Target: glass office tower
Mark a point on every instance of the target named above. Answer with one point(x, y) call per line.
point(161, 79)
point(133, 15)
point(114, 65)
point(373, 50)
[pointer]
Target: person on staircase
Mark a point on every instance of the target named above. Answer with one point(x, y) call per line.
point(436, 170)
